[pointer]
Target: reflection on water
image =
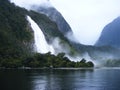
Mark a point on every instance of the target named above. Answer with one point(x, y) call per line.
point(60, 79)
point(84, 79)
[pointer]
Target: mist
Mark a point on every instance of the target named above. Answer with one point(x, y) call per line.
point(27, 4)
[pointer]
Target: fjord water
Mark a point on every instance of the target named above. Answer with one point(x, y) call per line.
point(66, 79)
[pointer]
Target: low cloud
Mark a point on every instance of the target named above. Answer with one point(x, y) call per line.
point(28, 4)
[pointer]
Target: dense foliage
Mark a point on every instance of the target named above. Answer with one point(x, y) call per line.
point(49, 60)
point(112, 63)
point(45, 61)
point(15, 34)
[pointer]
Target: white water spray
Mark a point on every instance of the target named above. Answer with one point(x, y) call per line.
point(41, 44)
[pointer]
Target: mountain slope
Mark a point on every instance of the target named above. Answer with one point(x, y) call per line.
point(55, 16)
point(16, 36)
point(110, 35)
point(52, 32)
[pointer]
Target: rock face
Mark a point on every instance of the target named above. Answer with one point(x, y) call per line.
point(55, 16)
point(110, 35)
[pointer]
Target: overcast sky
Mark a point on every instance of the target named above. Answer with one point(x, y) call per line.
point(87, 18)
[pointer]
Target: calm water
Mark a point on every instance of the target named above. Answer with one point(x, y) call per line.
point(96, 79)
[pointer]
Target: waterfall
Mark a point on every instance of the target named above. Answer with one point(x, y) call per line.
point(41, 45)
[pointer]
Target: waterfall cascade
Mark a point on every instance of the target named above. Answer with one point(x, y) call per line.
point(41, 44)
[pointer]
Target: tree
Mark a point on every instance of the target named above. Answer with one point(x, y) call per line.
point(83, 61)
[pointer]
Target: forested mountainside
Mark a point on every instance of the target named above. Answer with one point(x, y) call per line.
point(17, 38)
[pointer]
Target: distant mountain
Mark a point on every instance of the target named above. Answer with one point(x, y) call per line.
point(55, 16)
point(110, 35)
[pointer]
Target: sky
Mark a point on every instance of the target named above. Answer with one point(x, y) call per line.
point(87, 18)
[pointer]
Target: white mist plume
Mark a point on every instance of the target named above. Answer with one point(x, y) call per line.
point(71, 37)
point(64, 48)
point(80, 57)
point(60, 47)
point(41, 44)
point(29, 3)
point(87, 57)
point(101, 59)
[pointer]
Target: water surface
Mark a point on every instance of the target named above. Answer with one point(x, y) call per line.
point(81, 79)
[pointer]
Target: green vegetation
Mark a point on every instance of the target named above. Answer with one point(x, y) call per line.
point(48, 60)
point(112, 63)
point(45, 60)
point(16, 37)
